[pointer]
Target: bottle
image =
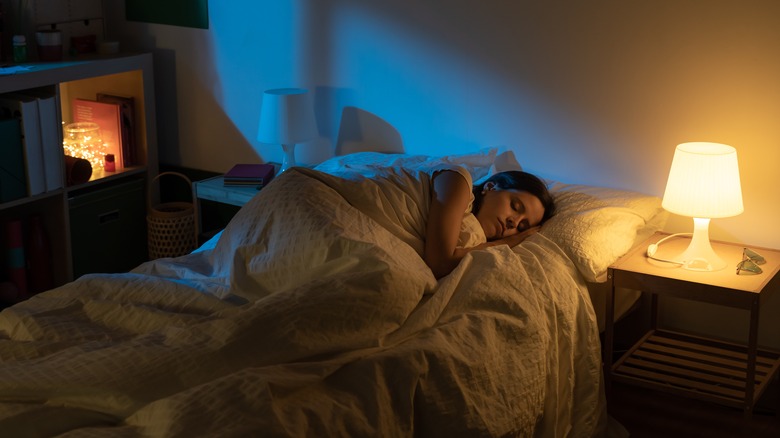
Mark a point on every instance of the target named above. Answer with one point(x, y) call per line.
point(20, 48)
point(49, 42)
point(110, 164)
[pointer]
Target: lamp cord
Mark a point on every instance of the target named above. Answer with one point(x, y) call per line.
point(653, 247)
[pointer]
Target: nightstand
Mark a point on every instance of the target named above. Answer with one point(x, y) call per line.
point(684, 364)
point(214, 189)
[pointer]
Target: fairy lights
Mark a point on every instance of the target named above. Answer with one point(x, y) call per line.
point(82, 140)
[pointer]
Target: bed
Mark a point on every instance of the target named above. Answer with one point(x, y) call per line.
point(312, 314)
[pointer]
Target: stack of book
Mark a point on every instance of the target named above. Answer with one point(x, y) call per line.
point(249, 175)
point(30, 148)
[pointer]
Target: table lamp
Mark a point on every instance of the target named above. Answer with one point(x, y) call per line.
point(286, 118)
point(703, 184)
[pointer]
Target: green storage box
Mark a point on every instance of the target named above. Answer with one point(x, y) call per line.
point(108, 228)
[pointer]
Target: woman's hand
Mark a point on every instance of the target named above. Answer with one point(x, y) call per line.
point(511, 241)
point(515, 239)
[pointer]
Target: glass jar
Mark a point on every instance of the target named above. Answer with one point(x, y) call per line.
point(82, 140)
point(20, 48)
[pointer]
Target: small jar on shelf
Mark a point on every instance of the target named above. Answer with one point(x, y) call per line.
point(20, 48)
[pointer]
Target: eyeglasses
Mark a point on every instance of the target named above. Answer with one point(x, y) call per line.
point(750, 262)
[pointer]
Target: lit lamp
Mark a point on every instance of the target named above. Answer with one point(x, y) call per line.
point(286, 118)
point(703, 184)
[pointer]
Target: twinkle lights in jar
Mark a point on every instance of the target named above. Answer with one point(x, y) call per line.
point(82, 140)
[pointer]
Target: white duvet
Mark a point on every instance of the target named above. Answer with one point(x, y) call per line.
point(312, 316)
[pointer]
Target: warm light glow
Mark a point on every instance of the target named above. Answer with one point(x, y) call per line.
point(82, 140)
point(704, 181)
point(703, 184)
point(286, 118)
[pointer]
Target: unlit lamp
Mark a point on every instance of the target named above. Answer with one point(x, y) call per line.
point(703, 184)
point(286, 118)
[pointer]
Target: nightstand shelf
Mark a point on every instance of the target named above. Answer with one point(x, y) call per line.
point(695, 366)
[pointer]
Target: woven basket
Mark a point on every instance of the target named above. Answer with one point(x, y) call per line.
point(171, 226)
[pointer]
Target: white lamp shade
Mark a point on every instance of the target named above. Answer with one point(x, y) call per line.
point(286, 117)
point(704, 181)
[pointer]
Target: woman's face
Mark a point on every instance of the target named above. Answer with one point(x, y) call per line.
point(507, 212)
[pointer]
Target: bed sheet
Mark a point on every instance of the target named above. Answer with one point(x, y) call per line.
point(311, 316)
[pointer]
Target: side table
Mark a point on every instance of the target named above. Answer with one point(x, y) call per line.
point(684, 364)
point(214, 189)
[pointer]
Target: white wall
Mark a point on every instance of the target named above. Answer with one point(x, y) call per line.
point(596, 92)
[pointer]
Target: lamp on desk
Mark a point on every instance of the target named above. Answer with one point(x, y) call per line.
point(703, 184)
point(286, 118)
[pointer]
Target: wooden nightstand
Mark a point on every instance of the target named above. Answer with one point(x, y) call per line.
point(684, 364)
point(214, 189)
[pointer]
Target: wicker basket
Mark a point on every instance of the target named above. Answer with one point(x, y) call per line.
point(171, 226)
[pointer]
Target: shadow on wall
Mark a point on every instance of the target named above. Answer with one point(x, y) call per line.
point(347, 128)
point(169, 149)
point(362, 131)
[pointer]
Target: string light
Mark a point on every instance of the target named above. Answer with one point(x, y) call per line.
point(82, 140)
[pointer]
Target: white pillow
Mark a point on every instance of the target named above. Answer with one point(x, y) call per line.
point(596, 225)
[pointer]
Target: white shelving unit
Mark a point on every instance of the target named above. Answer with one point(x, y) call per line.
point(127, 75)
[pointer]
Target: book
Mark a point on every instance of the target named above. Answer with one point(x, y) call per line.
point(50, 138)
point(13, 182)
point(25, 109)
point(249, 174)
point(108, 118)
point(127, 114)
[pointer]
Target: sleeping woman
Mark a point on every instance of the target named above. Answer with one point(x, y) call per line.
point(510, 206)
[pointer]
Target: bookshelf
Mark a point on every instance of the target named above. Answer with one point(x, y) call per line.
point(62, 209)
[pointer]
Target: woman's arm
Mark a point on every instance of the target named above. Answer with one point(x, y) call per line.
point(449, 200)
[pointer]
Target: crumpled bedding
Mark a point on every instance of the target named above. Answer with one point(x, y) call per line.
point(313, 315)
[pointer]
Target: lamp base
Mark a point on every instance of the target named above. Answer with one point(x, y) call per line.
point(699, 256)
point(289, 157)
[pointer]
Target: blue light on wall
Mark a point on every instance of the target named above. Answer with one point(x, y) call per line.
point(384, 80)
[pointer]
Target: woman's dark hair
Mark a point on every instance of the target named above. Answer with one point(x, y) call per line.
point(518, 180)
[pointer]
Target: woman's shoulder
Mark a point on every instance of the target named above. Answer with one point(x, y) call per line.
point(434, 171)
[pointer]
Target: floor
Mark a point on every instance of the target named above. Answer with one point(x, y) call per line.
point(647, 413)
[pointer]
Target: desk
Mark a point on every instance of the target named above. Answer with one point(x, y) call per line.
point(684, 364)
